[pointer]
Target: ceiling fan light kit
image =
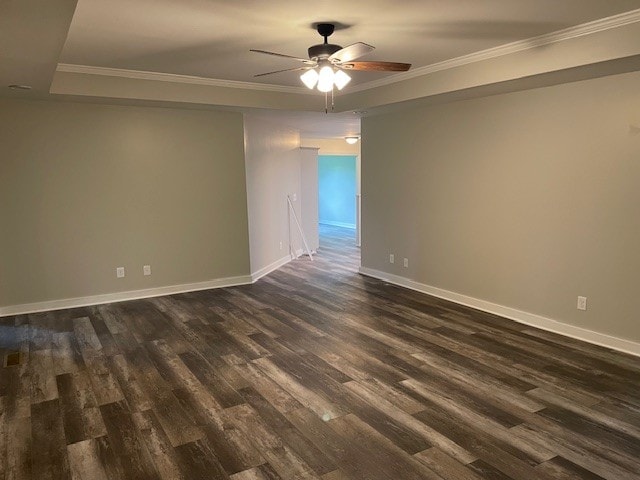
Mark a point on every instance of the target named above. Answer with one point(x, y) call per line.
point(325, 67)
point(326, 79)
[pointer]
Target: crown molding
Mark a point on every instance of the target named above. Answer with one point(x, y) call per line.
point(174, 78)
point(589, 28)
point(576, 31)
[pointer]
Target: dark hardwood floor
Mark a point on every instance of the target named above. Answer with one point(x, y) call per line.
point(312, 372)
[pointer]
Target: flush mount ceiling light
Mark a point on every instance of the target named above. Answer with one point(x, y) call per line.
point(326, 65)
point(351, 140)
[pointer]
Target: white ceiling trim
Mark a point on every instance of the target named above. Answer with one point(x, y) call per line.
point(589, 28)
point(173, 78)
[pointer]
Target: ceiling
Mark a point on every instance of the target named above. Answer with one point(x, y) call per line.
point(196, 52)
point(212, 38)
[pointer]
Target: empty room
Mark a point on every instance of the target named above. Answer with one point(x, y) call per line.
point(334, 240)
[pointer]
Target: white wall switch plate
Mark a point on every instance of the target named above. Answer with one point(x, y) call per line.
point(582, 303)
point(120, 272)
point(406, 263)
point(146, 269)
point(392, 258)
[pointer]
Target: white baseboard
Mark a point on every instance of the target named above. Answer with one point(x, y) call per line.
point(145, 293)
point(519, 316)
point(255, 276)
point(352, 226)
point(122, 296)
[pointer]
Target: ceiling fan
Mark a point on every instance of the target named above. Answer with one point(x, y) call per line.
point(326, 65)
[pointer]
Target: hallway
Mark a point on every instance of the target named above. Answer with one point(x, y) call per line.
point(338, 245)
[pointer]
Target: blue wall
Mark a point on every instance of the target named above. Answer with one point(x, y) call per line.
point(337, 190)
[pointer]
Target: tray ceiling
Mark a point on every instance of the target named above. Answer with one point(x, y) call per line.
point(212, 38)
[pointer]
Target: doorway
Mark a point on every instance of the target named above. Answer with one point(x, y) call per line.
point(337, 188)
point(338, 201)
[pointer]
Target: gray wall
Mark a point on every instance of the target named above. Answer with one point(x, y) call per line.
point(309, 196)
point(272, 159)
point(526, 200)
point(86, 188)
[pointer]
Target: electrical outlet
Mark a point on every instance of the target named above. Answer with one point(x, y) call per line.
point(392, 258)
point(280, 245)
point(294, 197)
point(582, 303)
point(120, 272)
point(406, 263)
point(146, 270)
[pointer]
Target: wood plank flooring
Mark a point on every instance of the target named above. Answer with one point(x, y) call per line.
point(312, 372)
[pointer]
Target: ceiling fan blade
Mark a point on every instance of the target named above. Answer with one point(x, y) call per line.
point(377, 66)
point(304, 60)
point(351, 52)
point(280, 71)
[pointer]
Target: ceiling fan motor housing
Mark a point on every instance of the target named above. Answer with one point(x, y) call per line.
point(324, 55)
point(323, 50)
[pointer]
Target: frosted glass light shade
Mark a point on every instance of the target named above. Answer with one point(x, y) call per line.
point(351, 140)
point(325, 79)
point(340, 79)
point(310, 78)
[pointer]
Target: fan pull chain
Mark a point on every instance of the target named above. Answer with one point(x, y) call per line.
point(326, 102)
